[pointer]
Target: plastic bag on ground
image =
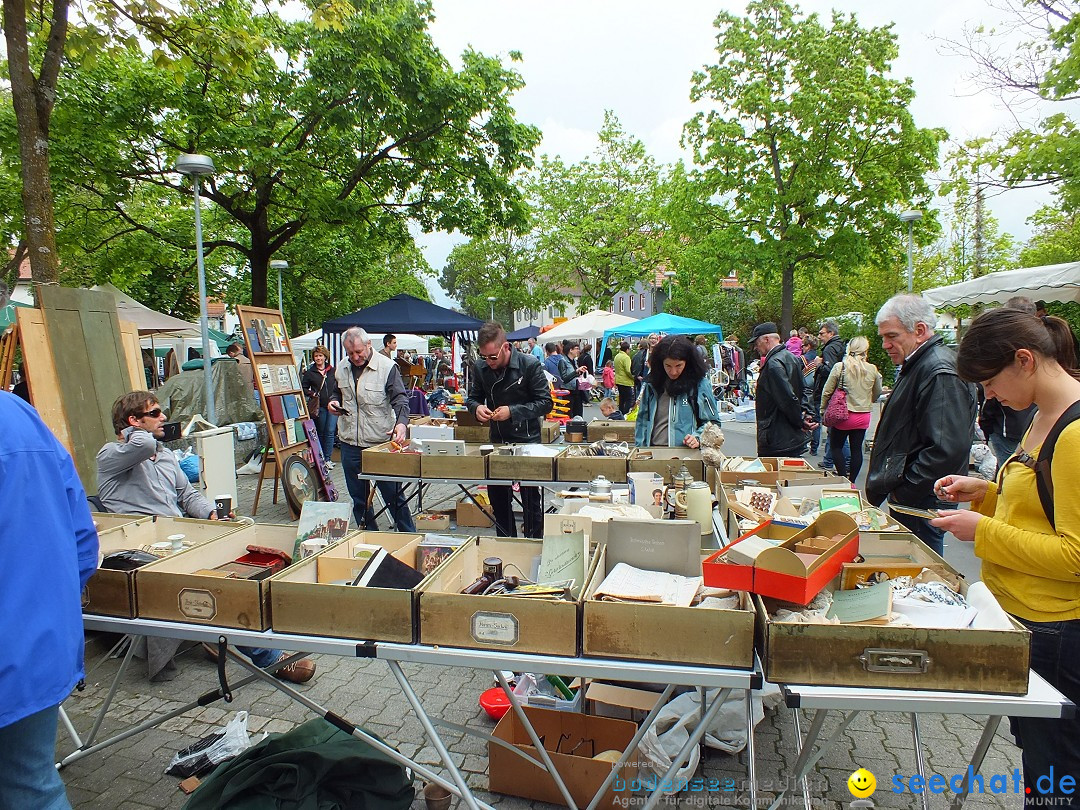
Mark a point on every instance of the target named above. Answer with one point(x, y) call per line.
point(664, 739)
point(204, 755)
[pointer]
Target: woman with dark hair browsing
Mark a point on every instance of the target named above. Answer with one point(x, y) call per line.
point(676, 398)
point(1027, 530)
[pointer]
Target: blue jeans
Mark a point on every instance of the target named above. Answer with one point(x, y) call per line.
point(921, 528)
point(1052, 746)
point(28, 775)
point(261, 656)
point(827, 460)
point(326, 426)
point(359, 488)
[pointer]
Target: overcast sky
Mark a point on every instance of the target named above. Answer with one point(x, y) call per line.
point(636, 57)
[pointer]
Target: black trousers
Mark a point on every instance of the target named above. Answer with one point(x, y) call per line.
point(626, 398)
point(532, 507)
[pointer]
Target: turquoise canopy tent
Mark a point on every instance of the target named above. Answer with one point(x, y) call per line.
point(7, 313)
point(664, 323)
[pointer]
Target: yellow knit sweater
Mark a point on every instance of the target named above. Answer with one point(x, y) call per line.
point(1032, 570)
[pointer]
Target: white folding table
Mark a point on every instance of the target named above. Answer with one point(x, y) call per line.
point(700, 677)
point(1041, 700)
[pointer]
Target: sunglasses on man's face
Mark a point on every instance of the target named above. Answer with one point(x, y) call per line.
point(492, 357)
point(153, 412)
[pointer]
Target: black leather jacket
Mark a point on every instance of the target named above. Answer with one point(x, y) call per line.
point(521, 385)
point(831, 354)
point(779, 404)
point(925, 431)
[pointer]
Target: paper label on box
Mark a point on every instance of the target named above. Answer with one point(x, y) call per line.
point(195, 603)
point(495, 628)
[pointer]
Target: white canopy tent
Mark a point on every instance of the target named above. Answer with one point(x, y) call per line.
point(590, 326)
point(411, 343)
point(1051, 282)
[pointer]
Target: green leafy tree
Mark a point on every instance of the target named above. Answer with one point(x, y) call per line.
point(599, 227)
point(502, 265)
point(811, 151)
point(1056, 237)
point(360, 126)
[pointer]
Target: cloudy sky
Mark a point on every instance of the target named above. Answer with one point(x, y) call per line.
point(636, 58)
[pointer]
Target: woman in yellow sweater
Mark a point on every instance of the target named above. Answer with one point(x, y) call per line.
point(1030, 562)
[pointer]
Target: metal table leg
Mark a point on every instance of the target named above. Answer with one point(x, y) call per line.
point(920, 765)
point(977, 759)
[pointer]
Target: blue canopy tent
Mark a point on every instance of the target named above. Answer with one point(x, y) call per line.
point(664, 323)
point(524, 333)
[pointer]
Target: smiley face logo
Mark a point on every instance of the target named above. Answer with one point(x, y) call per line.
point(862, 784)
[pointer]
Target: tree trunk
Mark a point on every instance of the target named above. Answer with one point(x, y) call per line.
point(787, 298)
point(33, 99)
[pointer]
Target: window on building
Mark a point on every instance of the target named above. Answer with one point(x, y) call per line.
point(611, 307)
point(620, 303)
point(631, 297)
point(641, 302)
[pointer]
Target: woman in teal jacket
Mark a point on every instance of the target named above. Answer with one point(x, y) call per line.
point(676, 398)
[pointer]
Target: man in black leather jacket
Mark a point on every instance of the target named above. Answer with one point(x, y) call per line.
point(509, 391)
point(928, 424)
point(781, 414)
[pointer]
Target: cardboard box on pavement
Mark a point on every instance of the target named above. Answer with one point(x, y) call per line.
point(620, 702)
point(561, 733)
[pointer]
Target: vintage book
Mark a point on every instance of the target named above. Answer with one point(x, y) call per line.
point(274, 407)
point(624, 583)
point(301, 406)
point(264, 335)
point(282, 381)
point(299, 432)
point(290, 430)
point(862, 604)
point(564, 557)
point(266, 379)
point(294, 378)
point(253, 339)
point(279, 337)
point(288, 402)
point(241, 570)
point(283, 438)
point(384, 570)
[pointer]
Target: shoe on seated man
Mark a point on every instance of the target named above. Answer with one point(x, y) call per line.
point(300, 671)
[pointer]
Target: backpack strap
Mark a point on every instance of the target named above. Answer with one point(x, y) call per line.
point(1043, 479)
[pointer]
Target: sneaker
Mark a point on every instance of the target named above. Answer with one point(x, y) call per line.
point(300, 671)
point(330, 465)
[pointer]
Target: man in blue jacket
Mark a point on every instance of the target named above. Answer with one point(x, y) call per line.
point(48, 550)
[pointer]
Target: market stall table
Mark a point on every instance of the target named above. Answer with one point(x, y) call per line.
point(1041, 700)
point(701, 677)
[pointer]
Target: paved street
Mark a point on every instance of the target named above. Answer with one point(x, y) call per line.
point(131, 774)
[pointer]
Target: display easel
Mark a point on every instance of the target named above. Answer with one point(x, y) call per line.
point(283, 402)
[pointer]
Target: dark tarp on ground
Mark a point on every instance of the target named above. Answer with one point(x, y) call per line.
point(313, 767)
point(405, 313)
point(183, 395)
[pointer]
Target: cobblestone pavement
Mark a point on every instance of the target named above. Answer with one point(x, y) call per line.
point(131, 773)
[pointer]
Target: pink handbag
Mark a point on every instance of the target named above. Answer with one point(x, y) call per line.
point(837, 410)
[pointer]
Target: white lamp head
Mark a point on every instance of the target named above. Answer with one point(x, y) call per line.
point(194, 164)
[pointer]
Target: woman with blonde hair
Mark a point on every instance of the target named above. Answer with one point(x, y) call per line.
point(862, 382)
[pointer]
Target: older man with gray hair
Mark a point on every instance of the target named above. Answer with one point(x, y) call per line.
point(928, 424)
point(373, 408)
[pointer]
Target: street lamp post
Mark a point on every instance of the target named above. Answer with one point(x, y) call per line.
point(491, 301)
point(669, 275)
point(910, 217)
point(197, 166)
point(279, 265)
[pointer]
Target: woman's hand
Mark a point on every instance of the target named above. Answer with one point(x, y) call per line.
point(961, 522)
point(691, 441)
point(960, 488)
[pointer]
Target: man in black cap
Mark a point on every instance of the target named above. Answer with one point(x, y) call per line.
point(782, 420)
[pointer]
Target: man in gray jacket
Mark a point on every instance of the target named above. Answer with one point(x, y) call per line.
point(373, 409)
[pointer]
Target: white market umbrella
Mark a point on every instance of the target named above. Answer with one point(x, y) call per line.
point(590, 326)
point(1050, 282)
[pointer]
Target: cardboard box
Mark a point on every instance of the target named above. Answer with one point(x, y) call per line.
point(465, 418)
point(601, 428)
point(432, 521)
point(469, 514)
point(472, 465)
point(473, 434)
point(508, 463)
point(305, 599)
point(382, 460)
point(786, 571)
point(112, 593)
point(586, 468)
point(649, 632)
point(171, 590)
point(666, 461)
point(530, 625)
point(103, 521)
point(550, 431)
point(871, 655)
point(620, 702)
point(560, 732)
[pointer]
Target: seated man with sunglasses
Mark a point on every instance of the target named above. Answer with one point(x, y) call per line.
point(139, 475)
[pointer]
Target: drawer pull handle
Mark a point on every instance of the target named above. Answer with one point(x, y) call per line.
point(882, 660)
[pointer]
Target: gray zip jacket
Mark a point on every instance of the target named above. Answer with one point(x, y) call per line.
point(141, 476)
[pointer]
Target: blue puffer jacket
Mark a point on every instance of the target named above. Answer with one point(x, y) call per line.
point(682, 421)
point(48, 550)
